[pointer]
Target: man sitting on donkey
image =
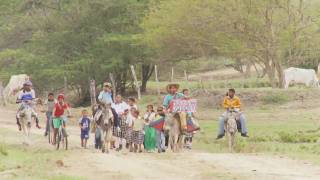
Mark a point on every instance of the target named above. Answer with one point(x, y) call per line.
point(173, 94)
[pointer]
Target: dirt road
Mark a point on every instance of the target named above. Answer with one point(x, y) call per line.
point(186, 165)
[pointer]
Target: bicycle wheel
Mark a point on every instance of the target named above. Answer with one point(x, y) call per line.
point(49, 135)
point(65, 139)
point(58, 140)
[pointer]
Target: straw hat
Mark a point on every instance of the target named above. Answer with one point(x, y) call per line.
point(107, 84)
point(172, 85)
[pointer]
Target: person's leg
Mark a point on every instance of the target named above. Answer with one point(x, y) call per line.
point(81, 142)
point(47, 124)
point(221, 127)
point(35, 115)
point(244, 130)
point(158, 140)
point(55, 132)
point(163, 141)
point(18, 121)
point(85, 143)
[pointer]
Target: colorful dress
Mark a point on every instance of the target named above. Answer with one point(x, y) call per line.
point(138, 133)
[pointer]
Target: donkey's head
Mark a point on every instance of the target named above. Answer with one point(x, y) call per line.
point(106, 114)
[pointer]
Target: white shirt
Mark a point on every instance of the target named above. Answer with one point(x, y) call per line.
point(130, 120)
point(120, 107)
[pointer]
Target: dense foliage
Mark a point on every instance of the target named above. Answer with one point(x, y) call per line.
point(82, 39)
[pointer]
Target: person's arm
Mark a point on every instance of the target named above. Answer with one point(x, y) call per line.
point(100, 97)
point(54, 111)
point(225, 103)
point(166, 102)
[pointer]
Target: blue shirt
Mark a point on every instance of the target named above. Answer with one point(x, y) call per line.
point(105, 97)
point(85, 123)
point(169, 97)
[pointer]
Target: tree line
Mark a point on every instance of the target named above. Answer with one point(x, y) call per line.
point(82, 39)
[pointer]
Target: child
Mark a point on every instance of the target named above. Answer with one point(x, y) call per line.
point(132, 103)
point(26, 99)
point(137, 133)
point(84, 124)
point(119, 130)
point(49, 109)
point(150, 133)
point(129, 130)
point(58, 115)
point(150, 115)
point(158, 124)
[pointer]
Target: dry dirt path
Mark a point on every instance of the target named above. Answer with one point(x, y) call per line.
point(186, 165)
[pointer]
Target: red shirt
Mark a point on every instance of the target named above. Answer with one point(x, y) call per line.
point(59, 109)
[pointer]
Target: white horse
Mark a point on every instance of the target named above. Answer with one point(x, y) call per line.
point(231, 129)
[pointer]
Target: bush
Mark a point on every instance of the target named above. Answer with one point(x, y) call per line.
point(3, 150)
point(275, 98)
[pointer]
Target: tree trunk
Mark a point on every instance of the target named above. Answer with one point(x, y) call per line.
point(280, 74)
point(271, 75)
point(147, 70)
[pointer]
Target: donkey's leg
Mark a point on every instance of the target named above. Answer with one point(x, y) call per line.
point(230, 142)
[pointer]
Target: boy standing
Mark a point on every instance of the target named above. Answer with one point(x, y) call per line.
point(84, 124)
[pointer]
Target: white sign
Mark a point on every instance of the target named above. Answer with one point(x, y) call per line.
point(184, 105)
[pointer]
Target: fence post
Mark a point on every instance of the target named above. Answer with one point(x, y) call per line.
point(114, 86)
point(157, 80)
point(172, 74)
point(136, 81)
point(92, 84)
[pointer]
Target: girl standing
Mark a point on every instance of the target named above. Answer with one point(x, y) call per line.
point(150, 133)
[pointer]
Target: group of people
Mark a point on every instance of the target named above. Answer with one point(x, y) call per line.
point(137, 131)
point(131, 128)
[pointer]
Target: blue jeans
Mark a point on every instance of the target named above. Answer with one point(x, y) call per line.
point(49, 121)
point(242, 119)
point(160, 140)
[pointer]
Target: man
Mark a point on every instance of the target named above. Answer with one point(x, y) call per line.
point(232, 102)
point(173, 93)
point(168, 103)
point(105, 96)
point(26, 98)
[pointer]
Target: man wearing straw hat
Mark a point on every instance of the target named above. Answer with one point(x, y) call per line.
point(173, 93)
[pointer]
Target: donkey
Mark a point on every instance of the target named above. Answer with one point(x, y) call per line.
point(231, 128)
point(104, 121)
point(176, 136)
point(25, 118)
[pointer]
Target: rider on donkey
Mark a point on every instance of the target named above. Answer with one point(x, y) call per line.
point(173, 93)
point(26, 98)
point(232, 102)
point(105, 97)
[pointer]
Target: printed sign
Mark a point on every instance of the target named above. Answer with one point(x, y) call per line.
point(184, 105)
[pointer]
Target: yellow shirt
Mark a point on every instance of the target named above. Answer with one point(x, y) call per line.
point(231, 103)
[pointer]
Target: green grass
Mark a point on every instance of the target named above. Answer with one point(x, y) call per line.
point(29, 162)
point(294, 135)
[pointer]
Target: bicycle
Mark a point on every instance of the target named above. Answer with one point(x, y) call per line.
point(62, 137)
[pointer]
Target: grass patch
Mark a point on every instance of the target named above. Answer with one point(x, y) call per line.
point(3, 150)
point(275, 98)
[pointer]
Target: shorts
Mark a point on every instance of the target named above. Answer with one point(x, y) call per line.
point(57, 122)
point(84, 134)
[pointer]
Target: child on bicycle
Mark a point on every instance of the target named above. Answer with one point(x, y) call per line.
point(49, 104)
point(58, 115)
point(84, 124)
